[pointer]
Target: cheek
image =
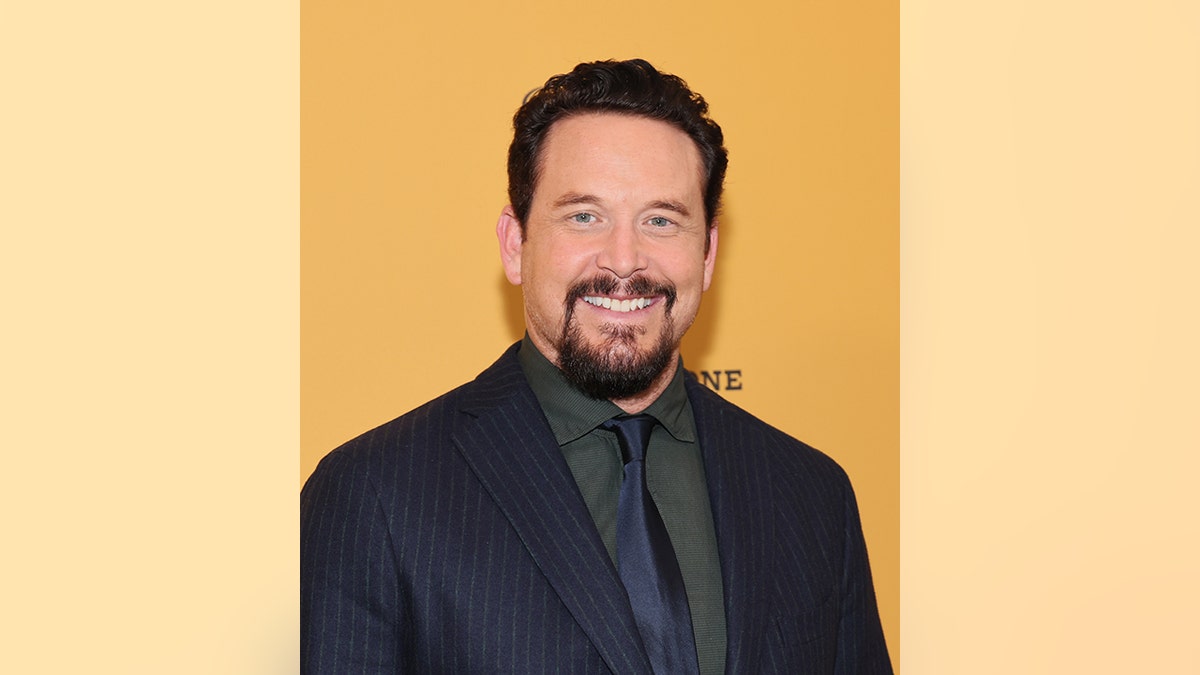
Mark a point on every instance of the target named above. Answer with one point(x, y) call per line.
point(558, 270)
point(545, 290)
point(690, 272)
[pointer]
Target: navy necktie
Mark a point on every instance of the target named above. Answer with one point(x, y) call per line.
point(646, 561)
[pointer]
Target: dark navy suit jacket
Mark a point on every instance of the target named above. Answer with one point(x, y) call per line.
point(454, 540)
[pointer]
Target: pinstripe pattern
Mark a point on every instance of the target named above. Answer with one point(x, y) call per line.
point(454, 540)
point(798, 591)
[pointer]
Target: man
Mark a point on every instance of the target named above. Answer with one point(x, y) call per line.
point(584, 506)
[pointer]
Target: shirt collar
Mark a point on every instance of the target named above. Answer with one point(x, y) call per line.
point(572, 413)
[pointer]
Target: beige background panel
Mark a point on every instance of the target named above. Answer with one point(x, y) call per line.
point(1051, 231)
point(149, 414)
point(406, 117)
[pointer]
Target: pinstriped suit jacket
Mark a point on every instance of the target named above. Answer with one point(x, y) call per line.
point(454, 540)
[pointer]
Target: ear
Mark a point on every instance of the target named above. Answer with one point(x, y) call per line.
point(511, 237)
point(710, 257)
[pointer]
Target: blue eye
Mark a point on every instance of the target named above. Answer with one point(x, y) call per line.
point(659, 221)
point(583, 218)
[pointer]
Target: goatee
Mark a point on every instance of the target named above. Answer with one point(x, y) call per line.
point(615, 368)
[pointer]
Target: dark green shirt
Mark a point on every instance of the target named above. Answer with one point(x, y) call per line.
point(674, 476)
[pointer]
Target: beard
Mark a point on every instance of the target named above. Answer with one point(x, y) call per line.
point(615, 368)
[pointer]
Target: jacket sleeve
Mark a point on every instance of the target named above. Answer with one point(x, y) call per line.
point(861, 647)
point(350, 604)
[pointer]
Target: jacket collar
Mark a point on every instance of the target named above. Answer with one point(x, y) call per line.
point(506, 440)
point(739, 488)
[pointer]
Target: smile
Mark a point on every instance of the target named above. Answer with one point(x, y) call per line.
point(618, 305)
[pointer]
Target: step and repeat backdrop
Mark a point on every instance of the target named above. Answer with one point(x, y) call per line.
point(406, 113)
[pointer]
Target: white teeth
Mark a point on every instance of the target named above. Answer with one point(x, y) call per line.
point(617, 305)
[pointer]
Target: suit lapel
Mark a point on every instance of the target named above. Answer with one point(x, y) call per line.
point(739, 490)
point(506, 440)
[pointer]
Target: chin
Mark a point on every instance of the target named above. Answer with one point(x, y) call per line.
point(616, 365)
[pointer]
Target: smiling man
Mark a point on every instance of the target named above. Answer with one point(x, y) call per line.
point(584, 506)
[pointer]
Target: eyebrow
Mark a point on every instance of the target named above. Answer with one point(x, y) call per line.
point(671, 205)
point(575, 198)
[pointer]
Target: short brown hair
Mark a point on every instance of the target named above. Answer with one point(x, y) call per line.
point(626, 87)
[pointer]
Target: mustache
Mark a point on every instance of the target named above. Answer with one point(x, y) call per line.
point(640, 285)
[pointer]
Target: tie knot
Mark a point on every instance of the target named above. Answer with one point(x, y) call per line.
point(633, 434)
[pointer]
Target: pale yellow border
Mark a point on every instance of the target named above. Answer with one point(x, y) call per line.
point(148, 267)
point(148, 393)
point(1051, 411)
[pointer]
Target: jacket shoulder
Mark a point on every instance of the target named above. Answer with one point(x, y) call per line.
point(737, 430)
point(427, 428)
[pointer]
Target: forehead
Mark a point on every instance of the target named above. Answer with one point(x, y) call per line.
point(596, 150)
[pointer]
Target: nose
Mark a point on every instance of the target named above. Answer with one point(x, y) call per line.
point(622, 252)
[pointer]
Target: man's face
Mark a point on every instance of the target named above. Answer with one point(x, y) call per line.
point(613, 261)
